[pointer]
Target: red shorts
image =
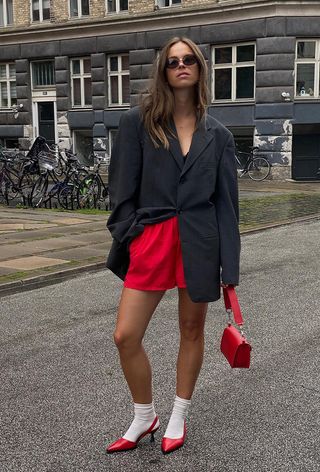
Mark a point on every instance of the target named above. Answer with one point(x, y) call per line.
point(156, 258)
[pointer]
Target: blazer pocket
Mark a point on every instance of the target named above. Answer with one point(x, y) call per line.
point(208, 165)
point(210, 236)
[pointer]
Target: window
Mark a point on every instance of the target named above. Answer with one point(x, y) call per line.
point(233, 72)
point(307, 69)
point(6, 12)
point(118, 80)
point(79, 8)
point(9, 143)
point(116, 6)
point(42, 74)
point(81, 82)
point(40, 10)
point(83, 146)
point(8, 93)
point(168, 3)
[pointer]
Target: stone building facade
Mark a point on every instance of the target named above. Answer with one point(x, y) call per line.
point(69, 68)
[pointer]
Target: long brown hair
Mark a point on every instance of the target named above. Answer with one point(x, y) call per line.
point(157, 104)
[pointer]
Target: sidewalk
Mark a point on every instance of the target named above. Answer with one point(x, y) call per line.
point(39, 247)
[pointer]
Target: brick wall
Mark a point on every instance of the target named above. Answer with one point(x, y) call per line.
point(59, 10)
point(21, 12)
point(97, 8)
point(141, 6)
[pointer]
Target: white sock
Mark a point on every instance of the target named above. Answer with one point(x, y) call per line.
point(176, 423)
point(144, 415)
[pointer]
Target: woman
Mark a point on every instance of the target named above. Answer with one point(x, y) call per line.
point(173, 186)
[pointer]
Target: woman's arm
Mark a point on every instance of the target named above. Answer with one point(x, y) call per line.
point(227, 205)
point(124, 177)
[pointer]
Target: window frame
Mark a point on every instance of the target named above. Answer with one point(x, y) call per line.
point(40, 87)
point(5, 14)
point(168, 6)
point(82, 75)
point(117, 10)
point(308, 60)
point(119, 73)
point(233, 65)
point(80, 15)
point(41, 20)
point(8, 80)
point(112, 133)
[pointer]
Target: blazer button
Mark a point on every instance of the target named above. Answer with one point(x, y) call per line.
point(182, 180)
point(179, 211)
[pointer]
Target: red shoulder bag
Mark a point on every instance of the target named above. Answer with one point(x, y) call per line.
point(234, 345)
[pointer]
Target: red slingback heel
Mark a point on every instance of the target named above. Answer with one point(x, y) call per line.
point(169, 445)
point(122, 444)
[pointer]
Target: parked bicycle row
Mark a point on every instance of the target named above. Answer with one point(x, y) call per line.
point(49, 177)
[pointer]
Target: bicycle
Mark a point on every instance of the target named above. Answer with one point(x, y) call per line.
point(257, 167)
point(74, 176)
point(65, 190)
point(9, 180)
point(39, 194)
point(93, 191)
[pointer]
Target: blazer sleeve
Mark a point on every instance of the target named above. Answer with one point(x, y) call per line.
point(227, 206)
point(124, 178)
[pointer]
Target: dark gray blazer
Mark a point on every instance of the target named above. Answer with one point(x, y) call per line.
point(148, 185)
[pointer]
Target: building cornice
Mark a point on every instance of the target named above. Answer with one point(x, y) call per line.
point(222, 12)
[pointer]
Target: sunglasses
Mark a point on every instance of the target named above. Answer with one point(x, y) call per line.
point(174, 62)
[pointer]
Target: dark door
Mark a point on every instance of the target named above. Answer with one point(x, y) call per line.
point(46, 121)
point(306, 157)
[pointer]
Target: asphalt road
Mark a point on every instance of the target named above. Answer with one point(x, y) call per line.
point(63, 397)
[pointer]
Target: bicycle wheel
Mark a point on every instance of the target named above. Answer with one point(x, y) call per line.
point(106, 197)
point(4, 184)
point(39, 191)
point(10, 186)
point(67, 196)
point(26, 184)
point(61, 168)
point(89, 192)
point(259, 168)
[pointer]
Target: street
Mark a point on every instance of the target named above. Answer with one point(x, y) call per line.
point(63, 395)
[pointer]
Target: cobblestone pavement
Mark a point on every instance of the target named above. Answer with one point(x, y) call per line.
point(42, 246)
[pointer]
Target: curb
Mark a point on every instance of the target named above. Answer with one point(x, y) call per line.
point(301, 219)
point(39, 281)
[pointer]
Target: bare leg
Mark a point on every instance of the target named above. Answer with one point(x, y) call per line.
point(135, 311)
point(191, 321)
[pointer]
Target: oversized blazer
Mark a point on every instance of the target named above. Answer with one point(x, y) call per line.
point(148, 185)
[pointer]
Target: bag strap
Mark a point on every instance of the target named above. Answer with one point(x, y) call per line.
point(231, 303)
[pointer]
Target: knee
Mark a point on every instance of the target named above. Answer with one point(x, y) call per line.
point(191, 331)
point(124, 341)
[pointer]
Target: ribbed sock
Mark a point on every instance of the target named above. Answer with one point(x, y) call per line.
point(175, 426)
point(144, 415)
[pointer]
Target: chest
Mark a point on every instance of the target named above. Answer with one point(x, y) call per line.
point(185, 130)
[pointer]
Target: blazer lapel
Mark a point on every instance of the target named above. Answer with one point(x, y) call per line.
point(174, 147)
point(200, 140)
point(175, 150)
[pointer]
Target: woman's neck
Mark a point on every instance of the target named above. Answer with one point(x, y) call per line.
point(183, 104)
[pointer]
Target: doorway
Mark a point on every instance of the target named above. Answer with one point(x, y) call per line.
point(45, 120)
point(306, 152)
